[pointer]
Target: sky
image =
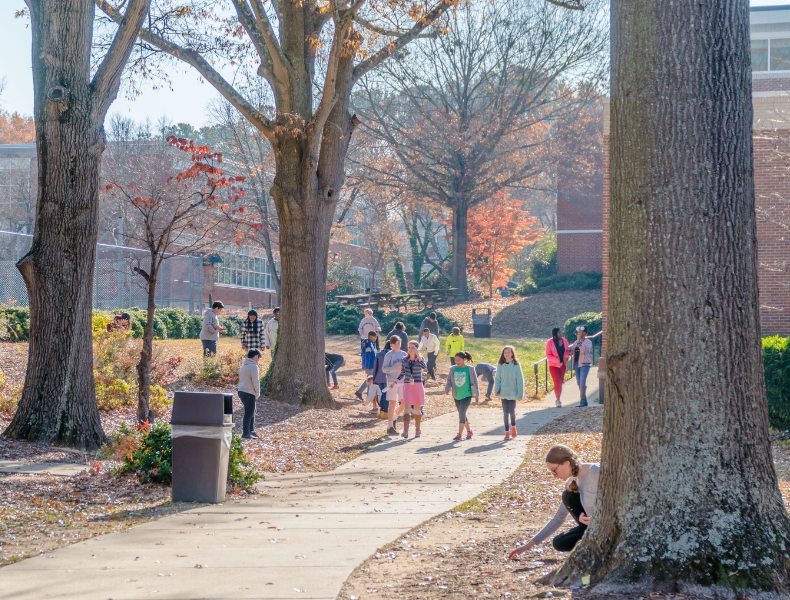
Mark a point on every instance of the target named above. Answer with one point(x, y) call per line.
point(185, 104)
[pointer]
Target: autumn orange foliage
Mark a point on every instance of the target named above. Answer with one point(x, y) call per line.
point(16, 129)
point(497, 229)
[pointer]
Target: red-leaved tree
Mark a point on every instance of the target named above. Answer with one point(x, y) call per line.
point(498, 228)
point(178, 202)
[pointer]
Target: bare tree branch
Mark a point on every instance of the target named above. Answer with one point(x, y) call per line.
point(108, 76)
point(193, 58)
point(572, 5)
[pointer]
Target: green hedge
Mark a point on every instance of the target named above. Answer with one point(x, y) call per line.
point(561, 283)
point(14, 323)
point(593, 321)
point(344, 320)
point(776, 361)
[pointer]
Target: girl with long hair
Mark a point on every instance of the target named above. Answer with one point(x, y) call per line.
point(252, 336)
point(557, 354)
point(509, 386)
point(578, 499)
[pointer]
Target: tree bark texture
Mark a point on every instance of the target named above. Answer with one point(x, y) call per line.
point(306, 198)
point(688, 496)
point(146, 353)
point(458, 277)
point(58, 403)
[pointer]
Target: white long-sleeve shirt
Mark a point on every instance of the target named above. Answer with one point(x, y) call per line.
point(431, 343)
point(270, 332)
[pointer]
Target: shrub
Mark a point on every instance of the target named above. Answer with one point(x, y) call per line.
point(591, 319)
point(560, 283)
point(158, 400)
point(224, 367)
point(9, 397)
point(343, 320)
point(175, 322)
point(194, 325)
point(99, 323)
point(14, 323)
point(153, 457)
point(776, 362)
point(412, 321)
point(241, 472)
point(149, 454)
point(112, 394)
point(232, 325)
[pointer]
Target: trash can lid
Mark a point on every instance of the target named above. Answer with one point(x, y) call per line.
point(198, 408)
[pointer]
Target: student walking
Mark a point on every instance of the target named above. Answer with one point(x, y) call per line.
point(209, 333)
point(462, 381)
point(380, 379)
point(249, 389)
point(366, 325)
point(581, 350)
point(400, 331)
point(392, 367)
point(413, 391)
point(509, 387)
point(431, 324)
point(486, 372)
point(430, 342)
point(578, 499)
point(368, 360)
point(557, 355)
point(271, 330)
point(252, 336)
point(454, 345)
point(333, 363)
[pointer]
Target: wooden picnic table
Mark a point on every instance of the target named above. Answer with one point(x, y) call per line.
point(423, 297)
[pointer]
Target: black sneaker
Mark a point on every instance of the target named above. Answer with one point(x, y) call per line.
point(582, 403)
point(253, 434)
point(246, 436)
point(359, 396)
point(392, 431)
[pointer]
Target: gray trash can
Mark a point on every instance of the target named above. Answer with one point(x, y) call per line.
point(481, 323)
point(202, 425)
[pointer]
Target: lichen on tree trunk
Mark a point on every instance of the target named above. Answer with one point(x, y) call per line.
point(688, 496)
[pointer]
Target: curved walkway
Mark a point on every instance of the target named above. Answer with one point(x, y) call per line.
point(304, 537)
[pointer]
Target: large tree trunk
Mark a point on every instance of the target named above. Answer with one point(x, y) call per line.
point(458, 271)
point(688, 495)
point(146, 353)
point(305, 217)
point(58, 403)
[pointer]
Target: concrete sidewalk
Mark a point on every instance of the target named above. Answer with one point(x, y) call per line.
point(305, 536)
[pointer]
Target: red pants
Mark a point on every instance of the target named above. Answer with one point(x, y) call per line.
point(558, 376)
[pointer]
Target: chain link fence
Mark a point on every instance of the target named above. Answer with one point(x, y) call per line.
point(115, 285)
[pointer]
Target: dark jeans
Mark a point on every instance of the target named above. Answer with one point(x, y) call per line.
point(333, 370)
point(432, 364)
point(509, 410)
point(565, 542)
point(383, 402)
point(209, 347)
point(248, 422)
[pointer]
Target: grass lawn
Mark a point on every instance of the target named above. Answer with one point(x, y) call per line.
point(488, 350)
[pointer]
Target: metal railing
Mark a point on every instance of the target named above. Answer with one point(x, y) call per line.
point(596, 342)
point(115, 285)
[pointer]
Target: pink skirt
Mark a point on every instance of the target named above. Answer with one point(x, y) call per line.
point(414, 393)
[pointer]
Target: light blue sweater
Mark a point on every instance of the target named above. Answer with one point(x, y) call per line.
point(509, 381)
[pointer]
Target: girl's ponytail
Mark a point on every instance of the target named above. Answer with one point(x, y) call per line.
point(465, 355)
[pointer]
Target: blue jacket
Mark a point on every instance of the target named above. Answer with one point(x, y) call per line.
point(368, 354)
point(509, 381)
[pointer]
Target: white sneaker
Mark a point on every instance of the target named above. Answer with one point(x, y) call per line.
point(558, 404)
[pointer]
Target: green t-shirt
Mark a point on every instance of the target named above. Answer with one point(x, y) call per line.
point(463, 385)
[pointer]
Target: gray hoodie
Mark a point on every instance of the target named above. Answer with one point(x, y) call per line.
point(249, 378)
point(210, 330)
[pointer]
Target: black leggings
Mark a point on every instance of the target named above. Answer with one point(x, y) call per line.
point(565, 542)
point(463, 405)
point(509, 410)
point(248, 422)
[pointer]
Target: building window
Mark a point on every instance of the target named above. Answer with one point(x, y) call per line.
point(771, 55)
point(244, 267)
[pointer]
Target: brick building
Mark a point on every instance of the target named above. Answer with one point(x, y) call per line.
point(770, 35)
point(580, 220)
